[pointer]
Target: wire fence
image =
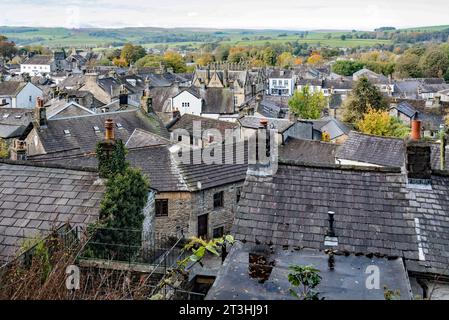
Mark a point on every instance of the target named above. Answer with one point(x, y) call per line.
point(131, 246)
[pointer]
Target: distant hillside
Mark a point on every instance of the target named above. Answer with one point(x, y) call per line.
point(188, 38)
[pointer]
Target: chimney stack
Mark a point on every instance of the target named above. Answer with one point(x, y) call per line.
point(146, 102)
point(123, 97)
point(41, 113)
point(176, 114)
point(18, 151)
point(418, 157)
point(105, 150)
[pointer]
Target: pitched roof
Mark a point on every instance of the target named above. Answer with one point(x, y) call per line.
point(11, 88)
point(382, 151)
point(375, 212)
point(39, 59)
point(254, 123)
point(218, 101)
point(309, 151)
point(166, 172)
point(141, 138)
point(83, 138)
point(406, 109)
point(186, 122)
point(333, 126)
point(35, 198)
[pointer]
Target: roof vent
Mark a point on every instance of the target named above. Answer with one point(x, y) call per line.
point(331, 240)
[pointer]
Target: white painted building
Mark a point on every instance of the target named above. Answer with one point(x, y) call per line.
point(281, 83)
point(15, 94)
point(187, 102)
point(38, 65)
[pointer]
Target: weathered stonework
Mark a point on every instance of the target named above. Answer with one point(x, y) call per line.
point(184, 209)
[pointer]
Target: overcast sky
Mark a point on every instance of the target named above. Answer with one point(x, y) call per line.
point(273, 14)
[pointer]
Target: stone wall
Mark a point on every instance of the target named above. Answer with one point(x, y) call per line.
point(203, 203)
point(179, 208)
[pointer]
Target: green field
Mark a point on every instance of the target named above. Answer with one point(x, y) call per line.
point(177, 37)
point(153, 37)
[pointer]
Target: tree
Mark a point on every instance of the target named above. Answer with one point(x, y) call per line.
point(285, 60)
point(380, 123)
point(131, 53)
point(306, 278)
point(407, 65)
point(346, 67)
point(307, 105)
point(175, 61)
point(7, 49)
point(4, 152)
point(205, 59)
point(434, 62)
point(150, 60)
point(269, 56)
point(363, 96)
point(315, 58)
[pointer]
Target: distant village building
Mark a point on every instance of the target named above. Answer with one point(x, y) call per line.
point(16, 94)
point(38, 65)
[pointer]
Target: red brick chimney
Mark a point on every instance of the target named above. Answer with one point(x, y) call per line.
point(18, 151)
point(415, 135)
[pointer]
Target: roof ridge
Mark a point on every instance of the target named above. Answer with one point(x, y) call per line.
point(47, 165)
point(340, 166)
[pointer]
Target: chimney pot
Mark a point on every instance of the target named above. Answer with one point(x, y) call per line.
point(109, 132)
point(416, 130)
point(264, 123)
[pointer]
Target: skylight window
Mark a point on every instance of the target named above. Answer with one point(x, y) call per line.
point(67, 132)
point(96, 129)
point(5, 116)
point(119, 125)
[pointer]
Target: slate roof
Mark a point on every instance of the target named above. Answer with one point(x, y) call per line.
point(406, 109)
point(141, 138)
point(83, 137)
point(39, 59)
point(347, 281)
point(382, 151)
point(310, 151)
point(343, 83)
point(35, 198)
point(14, 122)
point(11, 88)
point(254, 123)
point(271, 109)
point(375, 212)
point(280, 73)
point(334, 127)
point(186, 123)
point(218, 101)
point(167, 173)
point(161, 97)
point(377, 150)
